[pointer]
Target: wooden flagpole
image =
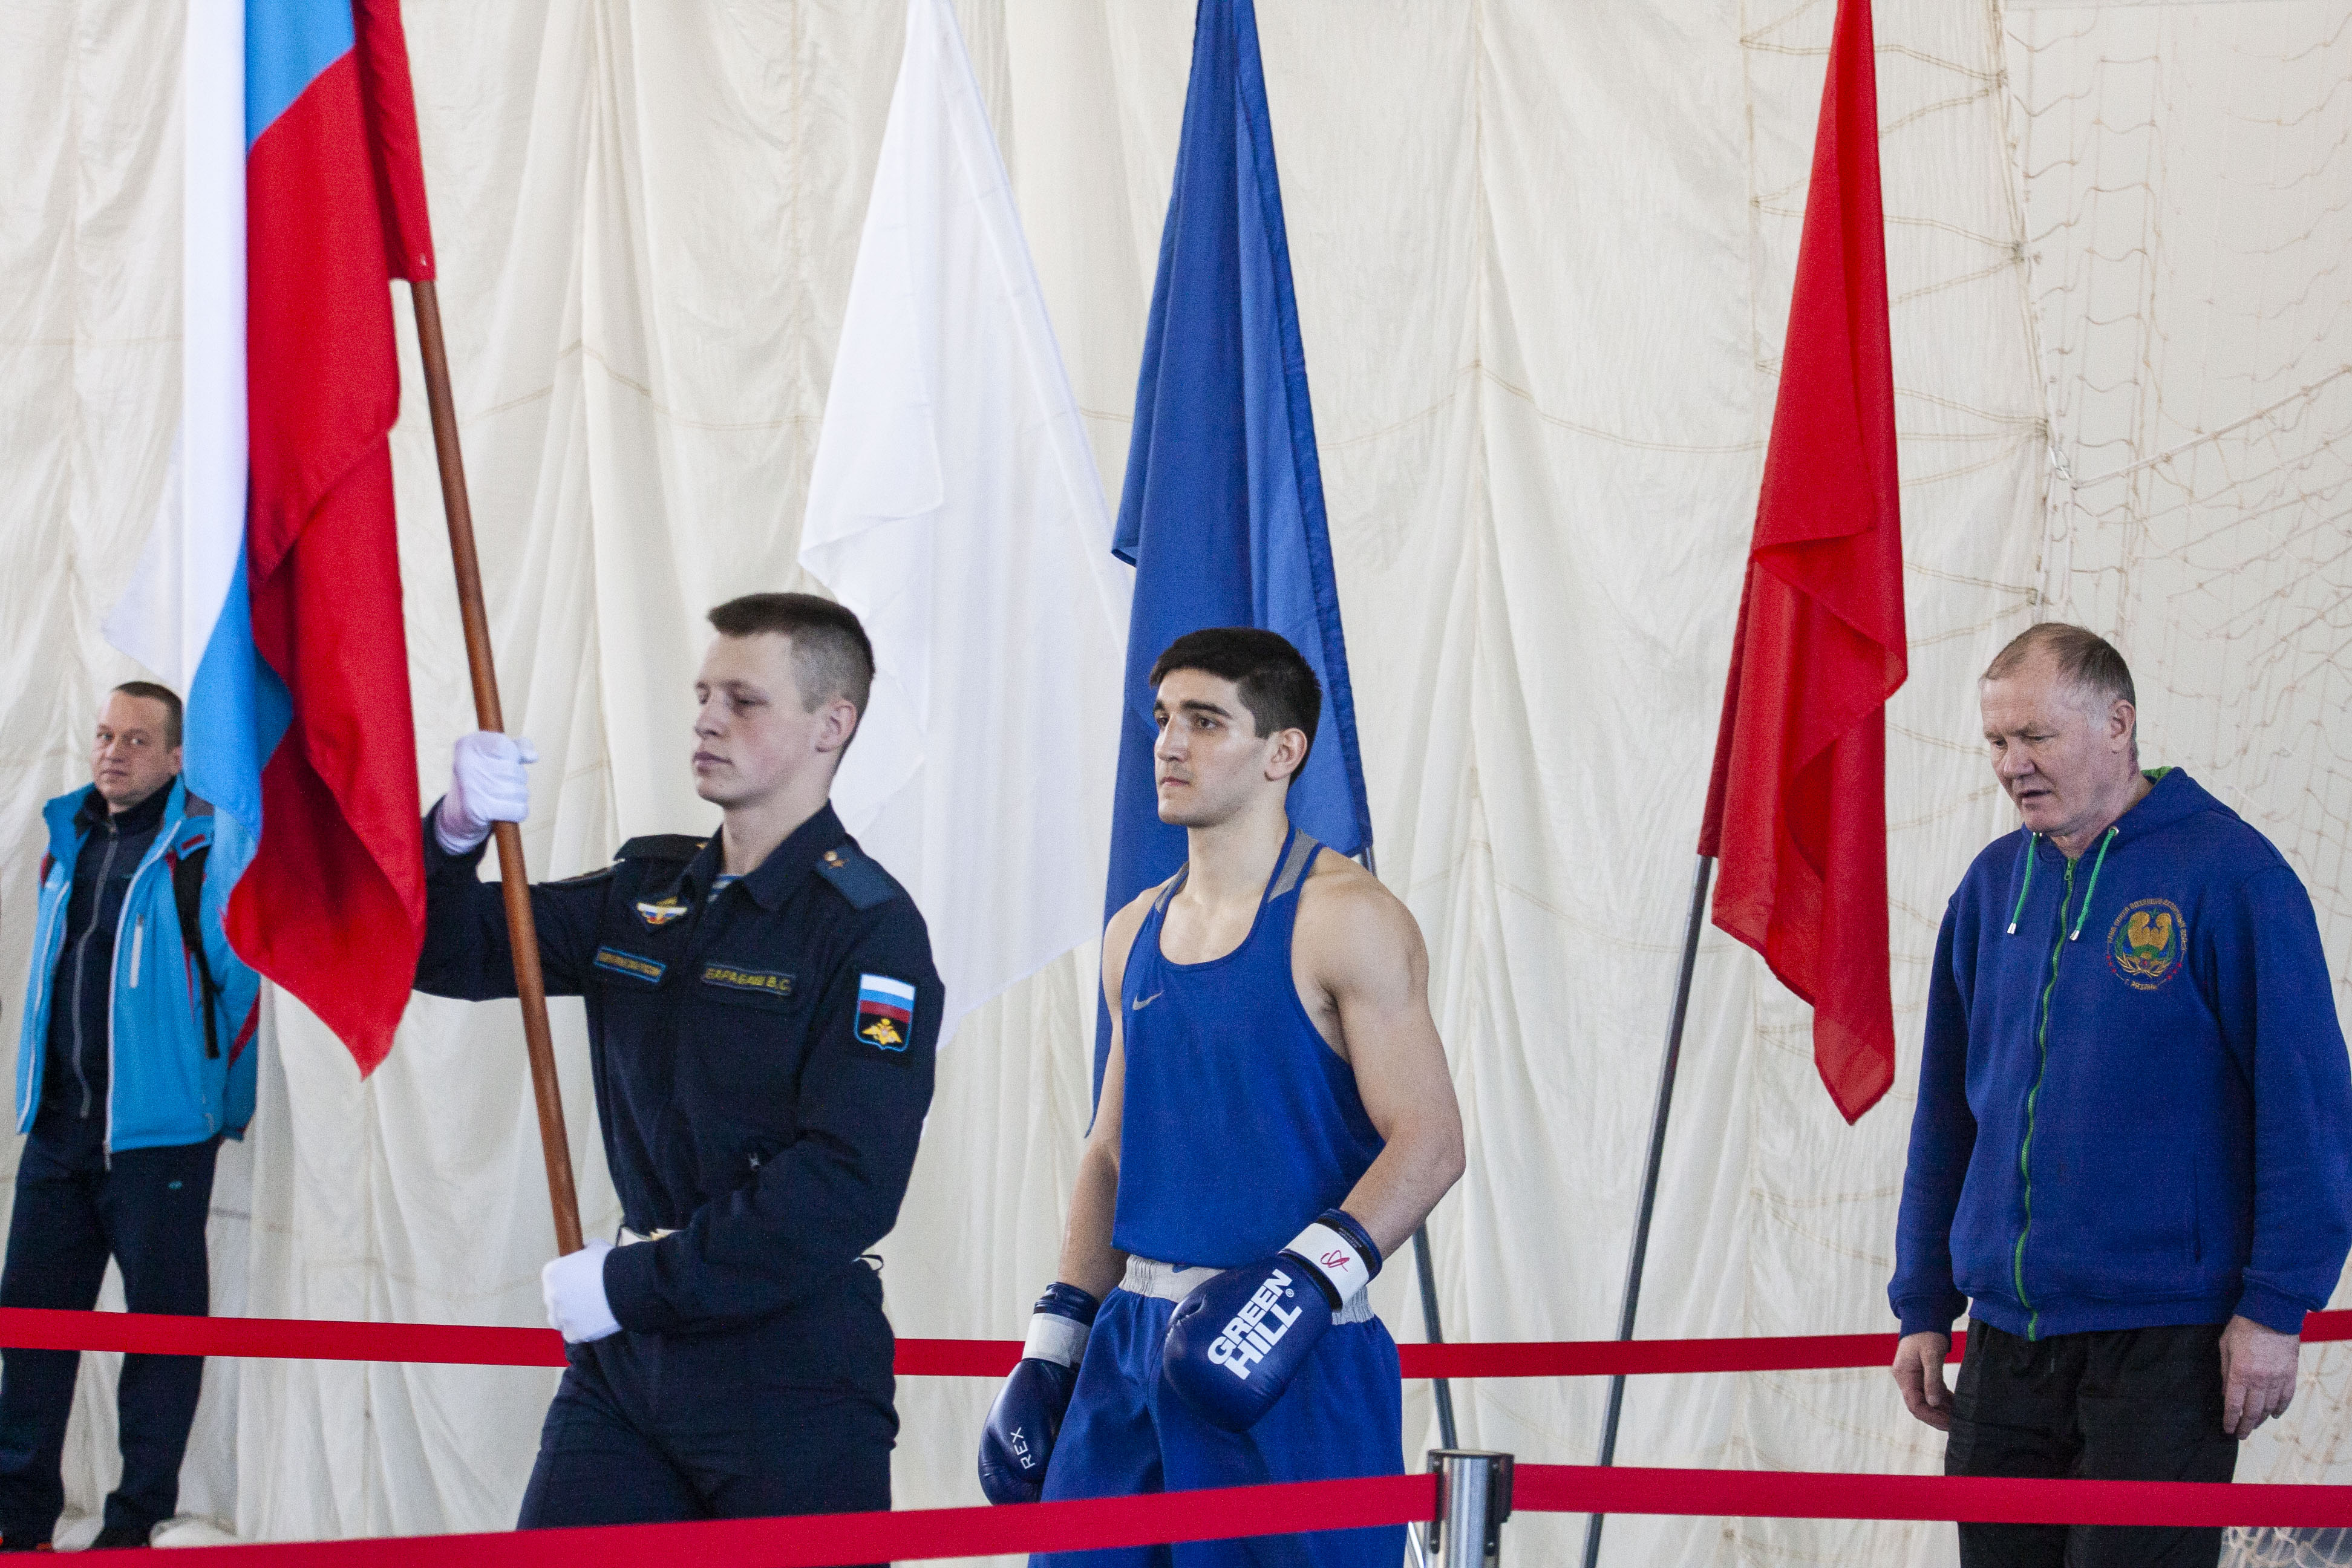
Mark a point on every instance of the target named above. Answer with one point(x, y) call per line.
point(530, 985)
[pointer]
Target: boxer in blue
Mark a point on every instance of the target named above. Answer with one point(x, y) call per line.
point(1276, 1119)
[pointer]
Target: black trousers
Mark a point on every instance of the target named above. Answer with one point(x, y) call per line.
point(2125, 1405)
point(147, 1210)
point(639, 1432)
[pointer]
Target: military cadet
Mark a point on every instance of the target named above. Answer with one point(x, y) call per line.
point(762, 1012)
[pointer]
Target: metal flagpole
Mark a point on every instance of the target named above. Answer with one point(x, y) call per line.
point(1427, 1272)
point(530, 985)
point(1625, 1315)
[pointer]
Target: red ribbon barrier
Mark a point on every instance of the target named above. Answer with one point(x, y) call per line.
point(299, 1338)
point(1822, 1494)
point(1611, 1357)
point(826, 1541)
point(457, 1345)
point(956, 1358)
point(1786, 1353)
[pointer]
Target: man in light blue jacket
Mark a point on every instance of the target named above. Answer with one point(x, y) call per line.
point(134, 1059)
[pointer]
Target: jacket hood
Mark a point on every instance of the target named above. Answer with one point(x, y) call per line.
point(2175, 798)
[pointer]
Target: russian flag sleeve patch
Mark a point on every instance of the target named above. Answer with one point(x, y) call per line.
point(885, 1010)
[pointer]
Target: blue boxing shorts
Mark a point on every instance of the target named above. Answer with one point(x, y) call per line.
point(1128, 1433)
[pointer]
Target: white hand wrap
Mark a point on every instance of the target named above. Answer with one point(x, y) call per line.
point(1054, 1338)
point(1336, 1257)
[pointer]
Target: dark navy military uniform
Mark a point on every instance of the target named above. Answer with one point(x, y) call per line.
point(761, 1082)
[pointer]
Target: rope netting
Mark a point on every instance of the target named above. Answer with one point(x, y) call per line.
point(2186, 180)
point(2188, 187)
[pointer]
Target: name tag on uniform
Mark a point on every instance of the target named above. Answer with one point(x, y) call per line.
point(631, 965)
point(761, 982)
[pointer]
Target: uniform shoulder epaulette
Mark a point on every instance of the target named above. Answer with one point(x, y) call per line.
point(680, 846)
point(857, 877)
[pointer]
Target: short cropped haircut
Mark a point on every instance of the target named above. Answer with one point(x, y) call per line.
point(1277, 683)
point(175, 716)
point(831, 654)
point(2084, 660)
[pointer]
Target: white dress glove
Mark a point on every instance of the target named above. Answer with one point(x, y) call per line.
point(487, 784)
point(573, 1288)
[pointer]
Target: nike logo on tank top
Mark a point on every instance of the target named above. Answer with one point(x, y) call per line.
point(1239, 1124)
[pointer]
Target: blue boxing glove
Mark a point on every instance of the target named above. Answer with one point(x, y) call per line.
point(1018, 1441)
point(1236, 1344)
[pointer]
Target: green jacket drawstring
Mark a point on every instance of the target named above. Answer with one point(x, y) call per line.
point(2032, 841)
point(2092, 892)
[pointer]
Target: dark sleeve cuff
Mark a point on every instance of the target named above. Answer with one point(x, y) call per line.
point(2267, 1306)
point(1928, 1316)
point(442, 866)
point(630, 1291)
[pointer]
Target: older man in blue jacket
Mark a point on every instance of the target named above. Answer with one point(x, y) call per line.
point(132, 1063)
point(2131, 1161)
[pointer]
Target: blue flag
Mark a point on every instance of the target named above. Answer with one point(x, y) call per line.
point(1221, 515)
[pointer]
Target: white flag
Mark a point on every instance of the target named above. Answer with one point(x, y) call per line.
point(167, 616)
point(956, 508)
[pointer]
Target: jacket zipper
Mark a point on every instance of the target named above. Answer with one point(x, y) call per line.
point(81, 962)
point(2025, 1145)
point(138, 943)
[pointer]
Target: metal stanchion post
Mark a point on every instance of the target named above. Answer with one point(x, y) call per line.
point(1474, 1498)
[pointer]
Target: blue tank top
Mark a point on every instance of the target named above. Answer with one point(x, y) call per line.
point(1239, 1124)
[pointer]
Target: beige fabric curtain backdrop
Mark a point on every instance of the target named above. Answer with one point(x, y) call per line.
point(1543, 255)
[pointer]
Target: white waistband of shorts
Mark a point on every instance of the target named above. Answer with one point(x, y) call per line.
point(1167, 1282)
point(630, 1238)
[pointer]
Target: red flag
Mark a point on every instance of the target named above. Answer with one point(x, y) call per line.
point(390, 106)
point(332, 906)
point(1796, 808)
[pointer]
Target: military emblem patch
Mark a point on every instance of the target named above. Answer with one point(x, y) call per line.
point(2148, 943)
point(659, 912)
point(885, 1010)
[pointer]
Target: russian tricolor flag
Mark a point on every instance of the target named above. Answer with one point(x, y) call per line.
point(269, 592)
point(885, 1010)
